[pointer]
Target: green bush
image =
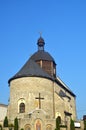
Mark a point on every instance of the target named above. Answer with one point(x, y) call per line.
point(72, 127)
point(63, 126)
point(84, 124)
point(10, 128)
point(22, 129)
point(16, 127)
point(11, 125)
point(5, 124)
point(0, 127)
point(58, 121)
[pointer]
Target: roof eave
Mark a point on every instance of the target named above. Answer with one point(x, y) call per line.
point(63, 86)
point(22, 76)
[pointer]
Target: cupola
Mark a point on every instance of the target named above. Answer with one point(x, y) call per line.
point(41, 44)
point(44, 59)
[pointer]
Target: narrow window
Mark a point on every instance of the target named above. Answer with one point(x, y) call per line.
point(38, 125)
point(22, 108)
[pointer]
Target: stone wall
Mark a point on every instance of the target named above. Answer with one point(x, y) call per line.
point(27, 89)
point(3, 112)
point(23, 122)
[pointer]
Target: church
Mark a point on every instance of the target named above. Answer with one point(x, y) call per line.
point(38, 96)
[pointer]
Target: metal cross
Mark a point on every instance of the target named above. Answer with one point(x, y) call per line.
point(40, 34)
point(39, 98)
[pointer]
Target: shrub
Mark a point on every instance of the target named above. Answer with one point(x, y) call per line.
point(0, 127)
point(11, 125)
point(5, 124)
point(72, 127)
point(22, 129)
point(57, 124)
point(63, 126)
point(84, 124)
point(16, 124)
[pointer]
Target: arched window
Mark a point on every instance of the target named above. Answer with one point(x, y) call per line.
point(22, 108)
point(49, 127)
point(27, 127)
point(38, 125)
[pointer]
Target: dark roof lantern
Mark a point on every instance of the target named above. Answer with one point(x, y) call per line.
point(40, 44)
point(42, 55)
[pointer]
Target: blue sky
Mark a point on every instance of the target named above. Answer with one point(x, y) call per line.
point(63, 27)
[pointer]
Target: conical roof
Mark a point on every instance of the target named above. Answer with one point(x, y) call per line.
point(30, 69)
point(42, 55)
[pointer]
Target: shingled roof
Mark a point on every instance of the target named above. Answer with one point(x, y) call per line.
point(42, 55)
point(31, 69)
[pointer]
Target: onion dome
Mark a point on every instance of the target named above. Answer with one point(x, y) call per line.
point(40, 43)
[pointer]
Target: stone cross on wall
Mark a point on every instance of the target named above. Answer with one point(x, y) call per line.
point(39, 98)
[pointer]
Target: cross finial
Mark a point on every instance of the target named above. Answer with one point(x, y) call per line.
point(40, 33)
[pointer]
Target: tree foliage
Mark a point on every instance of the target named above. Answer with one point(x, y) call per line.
point(58, 121)
point(16, 124)
point(72, 127)
point(5, 124)
point(84, 124)
point(0, 127)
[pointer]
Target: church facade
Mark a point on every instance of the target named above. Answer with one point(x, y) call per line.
point(38, 96)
